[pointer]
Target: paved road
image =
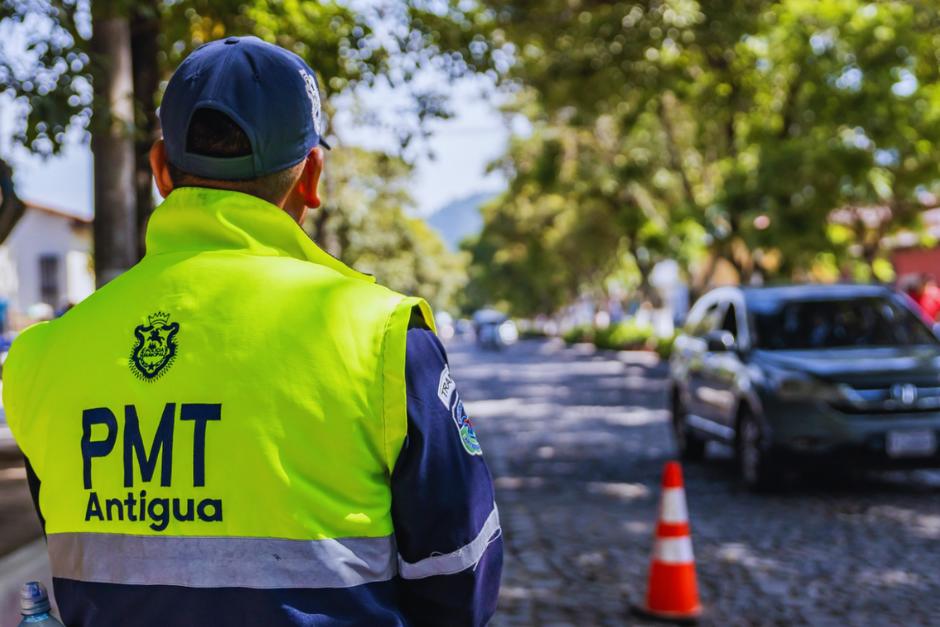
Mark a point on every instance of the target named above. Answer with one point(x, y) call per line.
point(576, 442)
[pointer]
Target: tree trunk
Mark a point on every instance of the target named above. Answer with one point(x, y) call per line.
point(701, 284)
point(145, 28)
point(112, 143)
point(11, 207)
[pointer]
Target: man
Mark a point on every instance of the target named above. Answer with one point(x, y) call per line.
point(923, 290)
point(241, 430)
point(929, 298)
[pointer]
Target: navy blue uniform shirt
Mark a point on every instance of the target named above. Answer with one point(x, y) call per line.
point(446, 523)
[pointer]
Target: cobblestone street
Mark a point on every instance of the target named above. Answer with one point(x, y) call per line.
point(576, 442)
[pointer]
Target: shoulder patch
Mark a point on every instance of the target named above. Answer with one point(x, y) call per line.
point(468, 436)
point(445, 387)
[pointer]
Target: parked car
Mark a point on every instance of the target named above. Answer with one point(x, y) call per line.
point(847, 374)
point(494, 330)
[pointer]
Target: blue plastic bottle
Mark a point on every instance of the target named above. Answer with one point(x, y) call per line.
point(35, 608)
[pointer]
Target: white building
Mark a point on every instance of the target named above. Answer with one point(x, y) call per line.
point(45, 263)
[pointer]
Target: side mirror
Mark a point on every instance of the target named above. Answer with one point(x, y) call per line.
point(719, 341)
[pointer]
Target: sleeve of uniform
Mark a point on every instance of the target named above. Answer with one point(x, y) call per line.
point(446, 523)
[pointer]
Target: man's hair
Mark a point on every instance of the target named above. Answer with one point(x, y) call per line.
point(214, 134)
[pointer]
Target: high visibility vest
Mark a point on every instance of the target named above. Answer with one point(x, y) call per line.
point(227, 413)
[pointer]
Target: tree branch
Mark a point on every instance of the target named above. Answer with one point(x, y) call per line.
point(672, 149)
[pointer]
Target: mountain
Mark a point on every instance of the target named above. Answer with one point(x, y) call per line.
point(459, 219)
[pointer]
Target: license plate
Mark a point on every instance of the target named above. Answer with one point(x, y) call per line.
point(910, 443)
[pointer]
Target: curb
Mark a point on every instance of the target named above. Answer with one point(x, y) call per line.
point(28, 563)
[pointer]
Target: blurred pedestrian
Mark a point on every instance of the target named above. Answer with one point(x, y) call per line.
point(924, 291)
point(241, 430)
point(930, 298)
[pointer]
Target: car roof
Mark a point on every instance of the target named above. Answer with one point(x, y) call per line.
point(835, 291)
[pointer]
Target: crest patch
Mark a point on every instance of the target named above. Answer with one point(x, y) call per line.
point(155, 347)
point(468, 436)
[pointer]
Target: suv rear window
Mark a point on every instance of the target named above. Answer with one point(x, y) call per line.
point(854, 322)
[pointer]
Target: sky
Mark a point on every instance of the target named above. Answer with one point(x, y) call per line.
point(462, 147)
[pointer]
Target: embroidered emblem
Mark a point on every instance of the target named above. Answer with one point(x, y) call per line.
point(468, 436)
point(155, 347)
point(314, 94)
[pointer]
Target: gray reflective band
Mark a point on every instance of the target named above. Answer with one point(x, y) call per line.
point(463, 558)
point(212, 562)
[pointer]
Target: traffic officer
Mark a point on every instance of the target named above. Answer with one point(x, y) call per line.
point(241, 430)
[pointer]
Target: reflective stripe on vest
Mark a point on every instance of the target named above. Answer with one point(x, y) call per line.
point(221, 562)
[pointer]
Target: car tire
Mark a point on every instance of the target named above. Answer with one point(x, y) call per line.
point(691, 447)
point(755, 463)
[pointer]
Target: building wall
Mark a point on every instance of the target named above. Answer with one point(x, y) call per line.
point(40, 233)
point(917, 260)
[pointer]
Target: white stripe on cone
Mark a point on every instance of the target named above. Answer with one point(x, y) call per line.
point(674, 550)
point(673, 506)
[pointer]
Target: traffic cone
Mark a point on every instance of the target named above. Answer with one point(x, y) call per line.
point(673, 592)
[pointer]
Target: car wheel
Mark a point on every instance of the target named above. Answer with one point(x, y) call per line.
point(691, 447)
point(754, 460)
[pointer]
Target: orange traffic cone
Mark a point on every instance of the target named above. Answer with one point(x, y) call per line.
point(673, 592)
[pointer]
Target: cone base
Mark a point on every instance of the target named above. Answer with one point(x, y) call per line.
point(686, 618)
point(672, 590)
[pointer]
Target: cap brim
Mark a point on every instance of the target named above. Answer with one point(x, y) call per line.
point(325, 145)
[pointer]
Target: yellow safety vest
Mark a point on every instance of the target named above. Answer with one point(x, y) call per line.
point(226, 413)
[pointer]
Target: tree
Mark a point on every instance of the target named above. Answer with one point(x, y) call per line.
point(365, 222)
point(145, 50)
point(585, 206)
point(756, 119)
point(66, 52)
point(48, 75)
point(112, 143)
point(11, 207)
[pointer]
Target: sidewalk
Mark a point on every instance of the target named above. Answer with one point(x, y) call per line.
point(28, 563)
point(22, 550)
point(7, 443)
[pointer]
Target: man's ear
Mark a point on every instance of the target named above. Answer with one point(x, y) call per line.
point(160, 167)
point(310, 178)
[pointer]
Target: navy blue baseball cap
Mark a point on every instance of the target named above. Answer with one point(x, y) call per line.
point(268, 91)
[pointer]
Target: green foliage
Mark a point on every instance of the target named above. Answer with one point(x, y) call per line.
point(578, 334)
point(625, 335)
point(366, 220)
point(51, 73)
point(754, 119)
point(586, 204)
point(365, 223)
point(664, 346)
point(531, 333)
point(47, 70)
point(332, 38)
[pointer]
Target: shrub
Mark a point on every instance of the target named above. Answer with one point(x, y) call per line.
point(579, 333)
point(621, 336)
point(627, 335)
point(664, 346)
point(532, 334)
